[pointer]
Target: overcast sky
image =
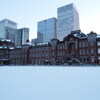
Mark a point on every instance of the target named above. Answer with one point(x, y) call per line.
point(28, 12)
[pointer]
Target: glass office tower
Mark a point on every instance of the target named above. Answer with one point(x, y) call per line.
point(8, 29)
point(21, 36)
point(68, 20)
point(47, 29)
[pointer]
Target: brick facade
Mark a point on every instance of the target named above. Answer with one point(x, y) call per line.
point(75, 47)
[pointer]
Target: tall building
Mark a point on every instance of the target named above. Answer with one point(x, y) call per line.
point(8, 29)
point(68, 20)
point(21, 36)
point(47, 29)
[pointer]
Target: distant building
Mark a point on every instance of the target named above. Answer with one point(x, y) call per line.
point(21, 36)
point(68, 20)
point(47, 29)
point(8, 29)
point(34, 41)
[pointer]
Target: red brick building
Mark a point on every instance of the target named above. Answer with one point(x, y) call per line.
point(75, 48)
point(5, 47)
point(77, 45)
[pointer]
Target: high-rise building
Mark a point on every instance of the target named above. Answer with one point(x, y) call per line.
point(8, 29)
point(47, 29)
point(21, 36)
point(68, 20)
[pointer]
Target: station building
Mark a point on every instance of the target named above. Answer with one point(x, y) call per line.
point(75, 46)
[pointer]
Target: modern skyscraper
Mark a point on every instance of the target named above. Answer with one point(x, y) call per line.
point(8, 29)
point(68, 20)
point(47, 29)
point(21, 36)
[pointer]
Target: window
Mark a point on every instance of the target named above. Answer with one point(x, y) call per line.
point(80, 52)
point(98, 50)
point(91, 44)
point(60, 46)
point(87, 51)
point(83, 44)
point(53, 53)
point(98, 43)
point(53, 48)
point(58, 53)
point(63, 52)
point(83, 51)
point(92, 59)
point(92, 50)
point(79, 44)
point(63, 47)
point(86, 44)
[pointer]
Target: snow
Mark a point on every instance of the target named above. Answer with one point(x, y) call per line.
point(42, 44)
point(7, 40)
point(5, 47)
point(11, 48)
point(28, 43)
point(1, 47)
point(49, 83)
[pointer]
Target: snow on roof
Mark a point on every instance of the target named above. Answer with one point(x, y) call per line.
point(7, 40)
point(18, 47)
point(75, 35)
point(28, 43)
point(42, 43)
point(5, 47)
point(1, 47)
point(11, 48)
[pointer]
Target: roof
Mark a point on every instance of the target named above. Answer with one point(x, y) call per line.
point(5, 47)
point(6, 40)
point(42, 43)
point(11, 48)
point(28, 43)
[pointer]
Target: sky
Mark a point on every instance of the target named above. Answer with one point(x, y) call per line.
point(49, 83)
point(28, 12)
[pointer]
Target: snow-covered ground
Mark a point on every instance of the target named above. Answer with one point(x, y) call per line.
point(49, 83)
